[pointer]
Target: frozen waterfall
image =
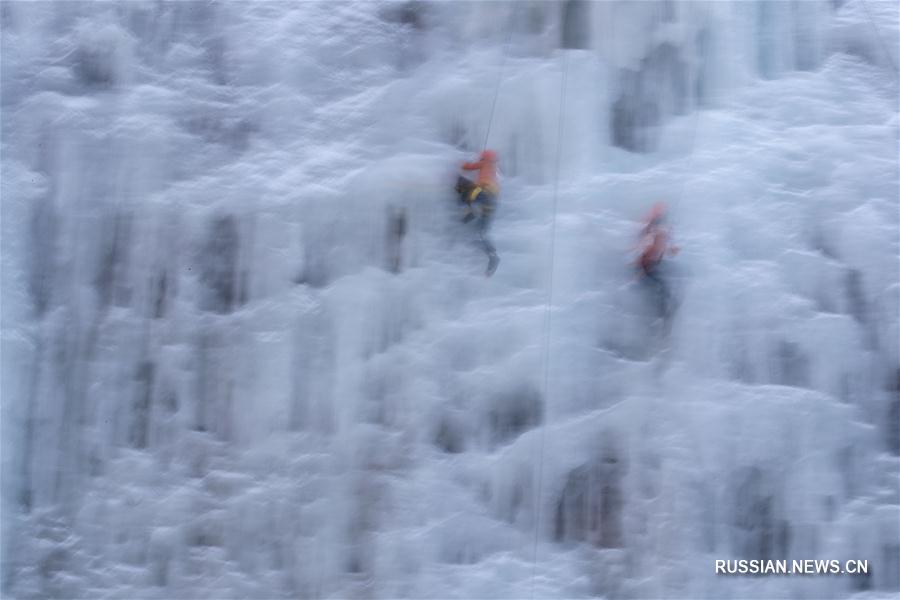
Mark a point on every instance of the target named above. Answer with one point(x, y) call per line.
point(214, 386)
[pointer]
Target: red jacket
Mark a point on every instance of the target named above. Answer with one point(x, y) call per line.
point(655, 240)
point(654, 246)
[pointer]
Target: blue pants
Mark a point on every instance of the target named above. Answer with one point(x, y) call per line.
point(482, 207)
point(655, 281)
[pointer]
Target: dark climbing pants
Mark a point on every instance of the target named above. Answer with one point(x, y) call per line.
point(656, 282)
point(482, 207)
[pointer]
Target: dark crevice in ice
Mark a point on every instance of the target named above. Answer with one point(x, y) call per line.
point(892, 430)
point(591, 505)
point(42, 271)
point(648, 96)
point(109, 282)
point(575, 21)
point(145, 377)
point(514, 412)
point(412, 13)
point(791, 365)
point(218, 265)
point(450, 435)
point(759, 529)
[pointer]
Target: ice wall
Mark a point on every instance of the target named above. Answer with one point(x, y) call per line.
point(213, 385)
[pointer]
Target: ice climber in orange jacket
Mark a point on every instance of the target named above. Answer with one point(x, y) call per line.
point(653, 246)
point(655, 240)
point(480, 199)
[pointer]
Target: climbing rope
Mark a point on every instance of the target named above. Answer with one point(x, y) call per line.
point(548, 314)
point(503, 56)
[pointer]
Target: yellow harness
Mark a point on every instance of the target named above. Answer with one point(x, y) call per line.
point(478, 189)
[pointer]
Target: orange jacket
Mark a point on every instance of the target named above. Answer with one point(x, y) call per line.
point(487, 174)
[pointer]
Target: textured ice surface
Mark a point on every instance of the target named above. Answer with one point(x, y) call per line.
point(213, 386)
